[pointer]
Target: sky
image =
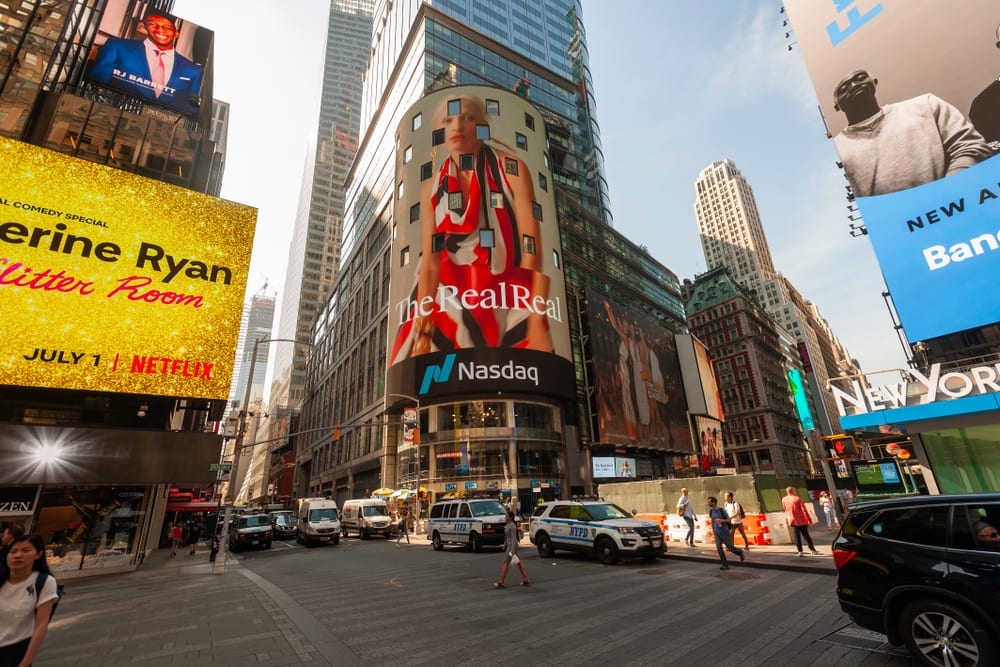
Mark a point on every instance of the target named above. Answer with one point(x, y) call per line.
point(679, 85)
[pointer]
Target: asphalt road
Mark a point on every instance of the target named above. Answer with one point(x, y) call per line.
point(370, 603)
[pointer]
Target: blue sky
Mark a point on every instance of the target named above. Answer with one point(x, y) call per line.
point(678, 84)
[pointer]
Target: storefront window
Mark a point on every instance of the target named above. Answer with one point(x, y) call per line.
point(476, 414)
point(965, 460)
point(529, 415)
point(91, 527)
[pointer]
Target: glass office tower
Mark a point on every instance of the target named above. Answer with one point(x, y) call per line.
point(416, 48)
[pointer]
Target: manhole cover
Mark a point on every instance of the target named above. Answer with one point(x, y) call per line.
point(651, 571)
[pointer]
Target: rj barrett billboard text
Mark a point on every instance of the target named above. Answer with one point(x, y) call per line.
point(476, 281)
point(911, 98)
point(114, 282)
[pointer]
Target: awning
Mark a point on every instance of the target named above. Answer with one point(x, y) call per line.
point(205, 506)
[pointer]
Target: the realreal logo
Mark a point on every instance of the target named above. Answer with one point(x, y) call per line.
point(505, 296)
point(472, 370)
point(933, 387)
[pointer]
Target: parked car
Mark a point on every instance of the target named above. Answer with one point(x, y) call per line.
point(282, 523)
point(318, 522)
point(925, 571)
point(475, 523)
point(366, 516)
point(594, 526)
point(250, 530)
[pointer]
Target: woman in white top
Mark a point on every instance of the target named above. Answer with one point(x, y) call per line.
point(25, 611)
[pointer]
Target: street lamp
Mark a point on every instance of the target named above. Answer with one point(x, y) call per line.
point(416, 431)
point(220, 564)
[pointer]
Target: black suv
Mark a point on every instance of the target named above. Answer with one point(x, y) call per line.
point(925, 571)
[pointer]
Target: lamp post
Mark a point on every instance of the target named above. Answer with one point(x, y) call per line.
point(220, 563)
point(416, 431)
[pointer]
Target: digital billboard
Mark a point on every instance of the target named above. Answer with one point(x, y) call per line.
point(711, 446)
point(909, 95)
point(477, 298)
point(114, 282)
point(154, 56)
point(637, 379)
point(701, 388)
point(798, 389)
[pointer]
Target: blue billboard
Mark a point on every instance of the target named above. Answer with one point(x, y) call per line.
point(911, 99)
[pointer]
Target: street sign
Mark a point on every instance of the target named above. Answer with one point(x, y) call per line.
point(216, 467)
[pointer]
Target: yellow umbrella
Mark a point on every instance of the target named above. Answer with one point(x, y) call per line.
point(382, 493)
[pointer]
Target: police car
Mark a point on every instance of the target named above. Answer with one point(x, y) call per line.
point(594, 526)
point(475, 523)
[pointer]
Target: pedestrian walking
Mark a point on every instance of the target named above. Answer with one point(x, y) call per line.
point(736, 515)
point(404, 527)
point(511, 538)
point(10, 533)
point(193, 535)
point(827, 504)
point(25, 606)
point(798, 519)
point(723, 535)
point(685, 508)
point(176, 536)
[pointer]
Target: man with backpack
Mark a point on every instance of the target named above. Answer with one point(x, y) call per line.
point(736, 516)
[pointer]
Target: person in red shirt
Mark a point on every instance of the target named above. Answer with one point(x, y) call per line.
point(798, 519)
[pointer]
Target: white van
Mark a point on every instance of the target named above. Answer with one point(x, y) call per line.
point(474, 522)
point(319, 521)
point(366, 516)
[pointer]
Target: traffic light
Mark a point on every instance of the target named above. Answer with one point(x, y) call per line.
point(840, 446)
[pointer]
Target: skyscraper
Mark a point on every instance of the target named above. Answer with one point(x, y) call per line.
point(539, 53)
point(315, 248)
point(732, 235)
point(259, 322)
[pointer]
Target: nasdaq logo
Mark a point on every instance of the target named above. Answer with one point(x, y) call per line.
point(437, 373)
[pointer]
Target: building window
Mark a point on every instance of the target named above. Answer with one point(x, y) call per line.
point(399, 190)
point(438, 242)
point(455, 201)
point(407, 154)
point(528, 244)
point(496, 200)
point(414, 212)
point(454, 107)
point(536, 210)
point(417, 122)
point(437, 137)
point(466, 162)
point(486, 238)
point(555, 259)
point(521, 141)
point(543, 182)
point(426, 171)
point(492, 107)
point(510, 166)
point(404, 256)
point(482, 132)
point(529, 121)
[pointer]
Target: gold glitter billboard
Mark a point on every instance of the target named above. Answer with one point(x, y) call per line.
point(114, 282)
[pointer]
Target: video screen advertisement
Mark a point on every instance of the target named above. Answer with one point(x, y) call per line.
point(639, 391)
point(149, 54)
point(711, 448)
point(701, 388)
point(910, 96)
point(477, 298)
point(113, 282)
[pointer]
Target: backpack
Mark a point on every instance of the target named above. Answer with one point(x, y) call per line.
point(40, 584)
point(740, 512)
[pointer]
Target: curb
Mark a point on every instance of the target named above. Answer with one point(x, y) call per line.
point(763, 565)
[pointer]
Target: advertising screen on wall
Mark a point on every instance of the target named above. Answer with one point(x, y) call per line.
point(156, 57)
point(710, 441)
point(910, 96)
point(637, 379)
point(700, 386)
point(114, 282)
point(477, 298)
